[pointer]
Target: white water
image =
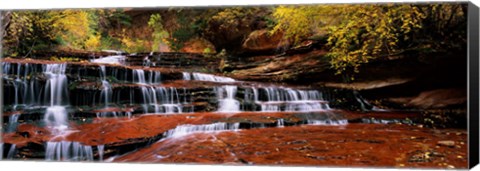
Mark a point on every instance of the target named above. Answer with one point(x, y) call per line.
point(116, 59)
point(56, 118)
point(101, 149)
point(114, 114)
point(68, 151)
point(56, 86)
point(162, 99)
point(280, 123)
point(106, 93)
point(24, 90)
point(12, 122)
point(211, 78)
point(328, 122)
point(273, 99)
point(187, 76)
point(184, 130)
point(11, 152)
point(1, 150)
point(139, 77)
point(226, 99)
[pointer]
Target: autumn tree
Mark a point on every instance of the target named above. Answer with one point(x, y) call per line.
point(27, 32)
point(359, 33)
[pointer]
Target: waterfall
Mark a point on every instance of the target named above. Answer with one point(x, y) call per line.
point(183, 130)
point(116, 59)
point(106, 93)
point(68, 151)
point(56, 87)
point(11, 153)
point(12, 122)
point(226, 99)
point(100, 152)
point(56, 84)
point(56, 117)
point(210, 77)
point(280, 122)
point(273, 99)
point(328, 122)
point(25, 90)
point(140, 77)
point(1, 150)
point(163, 99)
point(186, 76)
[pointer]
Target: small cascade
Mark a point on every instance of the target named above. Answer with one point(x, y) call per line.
point(328, 122)
point(56, 87)
point(101, 150)
point(187, 76)
point(139, 76)
point(280, 123)
point(106, 93)
point(56, 92)
point(68, 151)
point(11, 153)
point(56, 118)
point(116, 59)
point(114, 114)
point(226, 99)
point(151, 77)
point(211, 78)
point(25, 90)
point(163, 99)
point(273, 99)
point(1, 150)
point(13, 122)
point(184, 130)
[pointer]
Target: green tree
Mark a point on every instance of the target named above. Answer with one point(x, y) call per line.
point(160, 35)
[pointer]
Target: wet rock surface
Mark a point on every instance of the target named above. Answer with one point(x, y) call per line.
point(366, 145)
point(159, 112)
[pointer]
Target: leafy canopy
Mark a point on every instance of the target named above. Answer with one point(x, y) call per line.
point(356, 33)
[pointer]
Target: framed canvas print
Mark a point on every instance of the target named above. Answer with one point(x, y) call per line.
point(371, 85)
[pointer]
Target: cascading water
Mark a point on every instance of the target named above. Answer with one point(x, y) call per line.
point(12, 151)
point(273, 99)
point(1, 150)
point(328, 122)
point(153, 98)
point(184, 130)
point(101, 150)
point(106, 93)
point(56, 116)
point(226, 99)
point(68, 151)
point(162, 99)
point(12, 122)
point(210, 77)
point(116, 59)
point(186, 76)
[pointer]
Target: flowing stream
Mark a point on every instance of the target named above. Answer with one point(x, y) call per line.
point(56, 92)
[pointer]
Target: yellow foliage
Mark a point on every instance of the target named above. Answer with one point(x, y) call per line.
point(93, 42)
point(356, 33)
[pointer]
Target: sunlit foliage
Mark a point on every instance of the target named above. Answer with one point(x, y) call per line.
point(359, 33)
point(356, 33)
